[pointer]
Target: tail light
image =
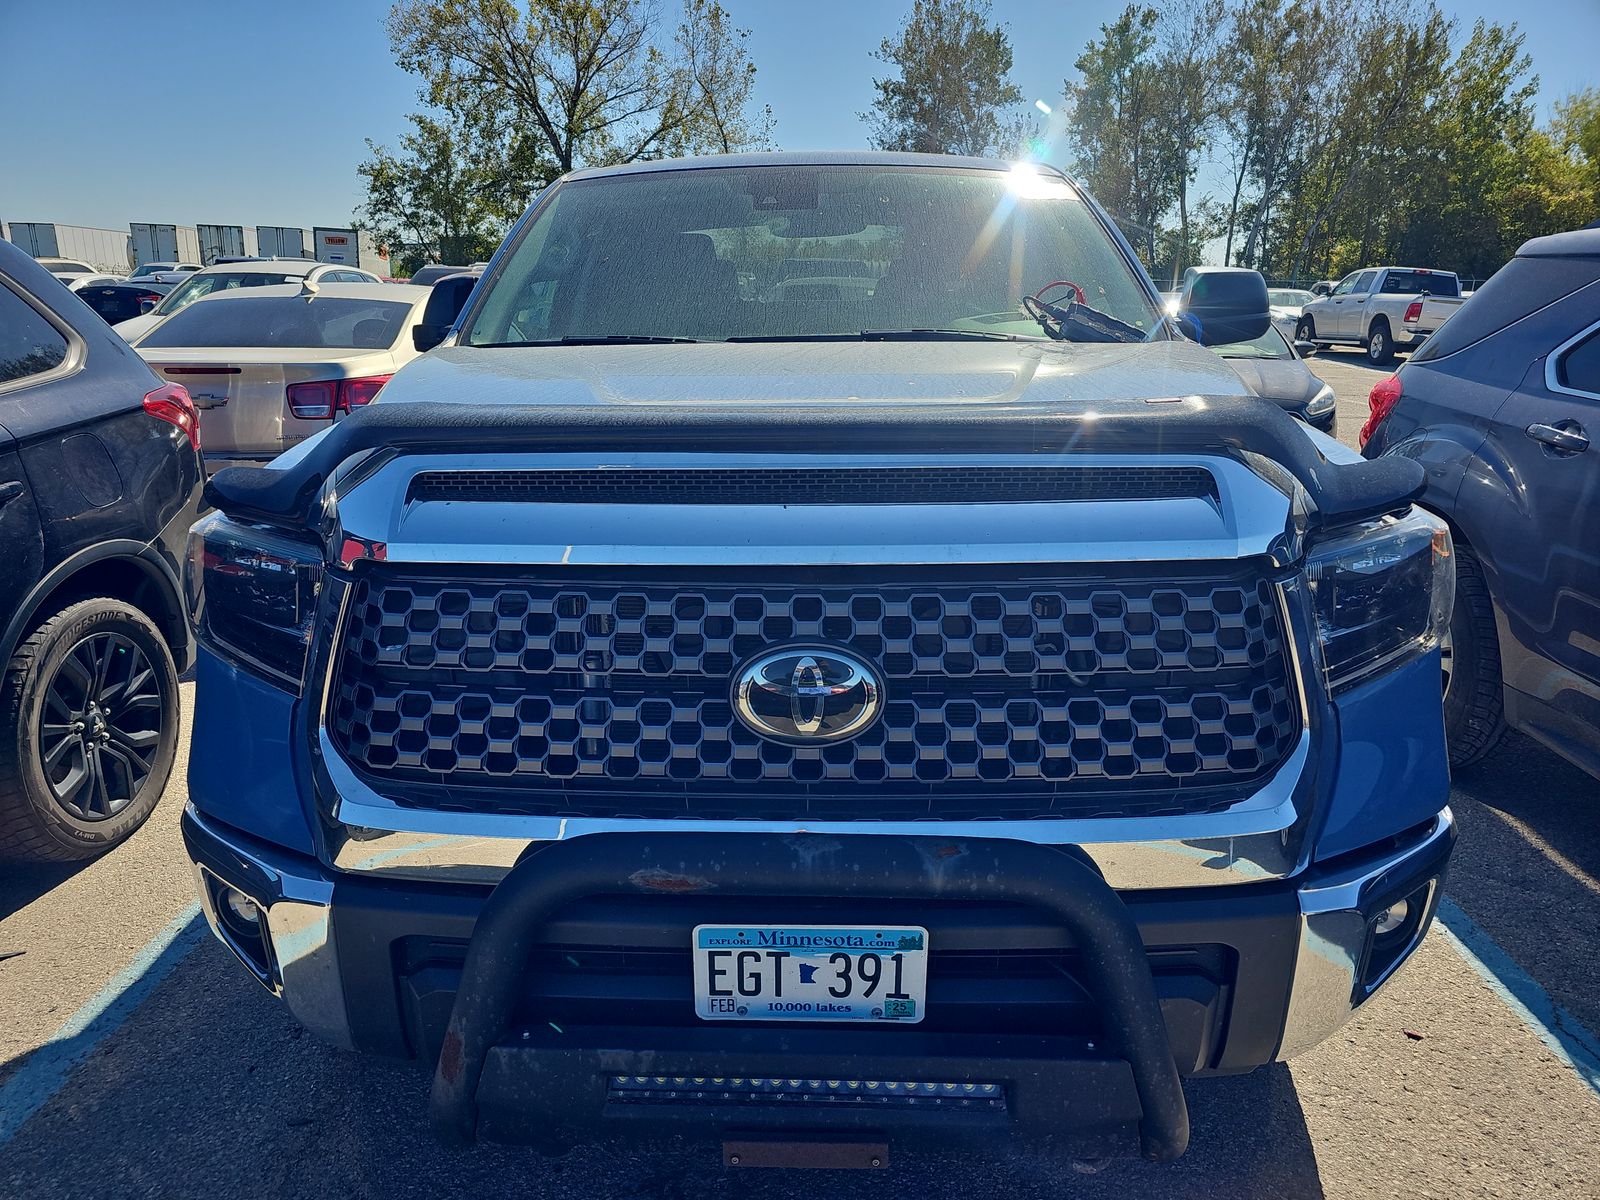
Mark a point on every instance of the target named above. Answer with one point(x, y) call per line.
point(320, 399)
point(1381, 400)
point(170, 403)
point(1414, 311)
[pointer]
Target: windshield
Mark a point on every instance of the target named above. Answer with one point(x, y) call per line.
point(196, 286)
point(151, 269)
point(279, 322)
point(786, 252)
point(67, 268)
point(1288, 297)
point(1269, 345)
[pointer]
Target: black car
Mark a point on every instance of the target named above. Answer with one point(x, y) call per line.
point(99, 482)
point(1502, 405)
point(1272, 368)
point(119, 301)
point(431, 274)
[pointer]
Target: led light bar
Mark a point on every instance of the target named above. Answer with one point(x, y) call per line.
point(669, 1089)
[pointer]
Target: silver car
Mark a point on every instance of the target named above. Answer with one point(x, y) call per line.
point(269, 366)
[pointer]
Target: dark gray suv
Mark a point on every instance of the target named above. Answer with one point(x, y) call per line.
point(1502, 406)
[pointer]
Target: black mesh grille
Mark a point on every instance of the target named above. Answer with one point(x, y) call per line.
point(815, 485)
point(1066, 697)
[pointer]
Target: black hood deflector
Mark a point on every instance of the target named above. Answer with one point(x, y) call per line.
point(1231, 426)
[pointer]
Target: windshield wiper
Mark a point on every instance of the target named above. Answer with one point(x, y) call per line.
point(892, 335)
point(595, 339)
point(1078, 322)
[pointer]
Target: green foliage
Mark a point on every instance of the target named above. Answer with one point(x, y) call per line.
point(520, 93)
point(582, 82)
point(1124, 144)
point(1354, 136)
point(948, 92)
point(438, 197)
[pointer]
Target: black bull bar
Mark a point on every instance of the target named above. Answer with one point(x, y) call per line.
point(1059, 881)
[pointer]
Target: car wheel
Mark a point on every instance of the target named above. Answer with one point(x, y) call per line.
point(1380, 346)
point(1474, 705)
point(88, 732)
point(1306, 330)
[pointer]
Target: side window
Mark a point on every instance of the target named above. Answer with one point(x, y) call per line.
point(1347, 284)
point(1579, 368)
point(1364, 283)
point(29, 344)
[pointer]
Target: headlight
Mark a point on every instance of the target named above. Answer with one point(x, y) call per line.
point(1321, 404)
point(1382, 594)
point(253, 595)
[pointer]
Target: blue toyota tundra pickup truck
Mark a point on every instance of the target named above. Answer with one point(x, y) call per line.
point(818, 660)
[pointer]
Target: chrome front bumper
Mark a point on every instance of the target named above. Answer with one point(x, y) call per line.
point(1330, 981)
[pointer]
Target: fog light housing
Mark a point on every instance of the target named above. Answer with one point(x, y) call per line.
point(1393, 932)
point(241, 924)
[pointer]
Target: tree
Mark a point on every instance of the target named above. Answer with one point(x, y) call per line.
point(1295, 45)
point(585, 81)
point(434, 197)
point(1576, 134)
point(1126, 153)
point(722, 77)
point(950, 90)
point(1189, 64)
point(1396, 61)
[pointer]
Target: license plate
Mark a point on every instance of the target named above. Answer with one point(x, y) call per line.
point(810, 973)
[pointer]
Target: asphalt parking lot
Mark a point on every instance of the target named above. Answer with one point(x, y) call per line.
point(137, 1059)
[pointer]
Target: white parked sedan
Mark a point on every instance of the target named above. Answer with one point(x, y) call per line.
point(165, 272)
point(75, 273)
point(1286, 304)
point(256, 272)
point(268, 367)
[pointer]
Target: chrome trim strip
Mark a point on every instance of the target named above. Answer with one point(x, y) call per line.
point(305, 961)
point(1250, 519)
point(1247, 843)
point(1334, 915)
point(1552, 364)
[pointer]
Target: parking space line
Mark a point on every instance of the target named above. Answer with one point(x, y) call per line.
point(42, 1075)
point(1553, 1025)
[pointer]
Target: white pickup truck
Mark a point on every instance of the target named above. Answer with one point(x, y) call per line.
point(1382, 309)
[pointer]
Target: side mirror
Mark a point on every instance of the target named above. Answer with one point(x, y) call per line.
point(1223, 305)
point(1305, 349)
point(445, 302)
point(146, 307)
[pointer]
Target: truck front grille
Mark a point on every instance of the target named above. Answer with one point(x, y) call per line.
point(1069, 695)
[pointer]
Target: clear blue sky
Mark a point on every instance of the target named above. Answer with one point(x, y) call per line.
point(211, 111)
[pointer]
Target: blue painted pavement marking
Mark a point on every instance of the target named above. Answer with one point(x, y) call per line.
point(1558, 1029)
point(47, 1068)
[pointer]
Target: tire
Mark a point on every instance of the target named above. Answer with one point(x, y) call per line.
point(1380, 344)
point(1474, 703)
point(78, 779)
point(1305, 330)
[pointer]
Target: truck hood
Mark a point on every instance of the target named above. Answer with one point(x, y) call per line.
point(817, 373)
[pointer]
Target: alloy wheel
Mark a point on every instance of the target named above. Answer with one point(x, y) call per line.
point(100, 730)
point(1446, 657)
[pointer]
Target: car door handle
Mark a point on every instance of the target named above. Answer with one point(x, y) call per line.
point(9, 491)
point(1567, 437)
